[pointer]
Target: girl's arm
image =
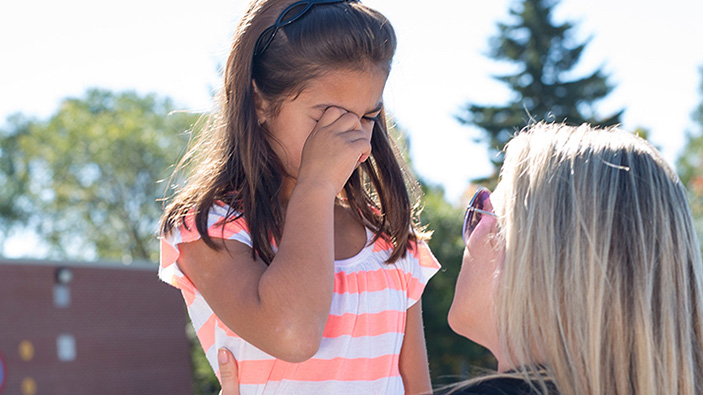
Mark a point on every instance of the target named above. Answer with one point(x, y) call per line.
point(413, 355)
point(282, 309)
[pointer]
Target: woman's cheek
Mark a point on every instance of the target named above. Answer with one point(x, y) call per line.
point(461, 304)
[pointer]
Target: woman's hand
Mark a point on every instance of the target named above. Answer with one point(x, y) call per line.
point(229, 377)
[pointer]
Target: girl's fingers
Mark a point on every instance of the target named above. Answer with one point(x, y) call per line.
point(330, 115)
point(347, 122)
point(335, 147)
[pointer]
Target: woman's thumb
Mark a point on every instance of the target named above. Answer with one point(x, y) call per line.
point(229, 376)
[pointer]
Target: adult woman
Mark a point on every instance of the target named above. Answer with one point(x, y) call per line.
point(589, 277)
point(582, 273)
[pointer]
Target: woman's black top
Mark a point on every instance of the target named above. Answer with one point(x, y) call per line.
point(502, 386)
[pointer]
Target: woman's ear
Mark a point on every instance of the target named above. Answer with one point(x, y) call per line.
point(260, 104)
point(497, 244)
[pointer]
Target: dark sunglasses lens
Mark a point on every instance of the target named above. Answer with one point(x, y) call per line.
point(480, 201)
point(468, 217)
point(473, 217)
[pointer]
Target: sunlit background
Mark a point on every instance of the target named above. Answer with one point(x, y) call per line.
point(651, 52)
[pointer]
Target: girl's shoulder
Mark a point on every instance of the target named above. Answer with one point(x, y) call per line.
point(417, 267)
point(420, 252)
point(222, 223)
point(417, 252)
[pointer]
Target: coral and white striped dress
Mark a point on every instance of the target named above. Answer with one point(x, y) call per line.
point(364, 331)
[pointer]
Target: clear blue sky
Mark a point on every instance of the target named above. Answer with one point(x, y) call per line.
point(51, 50)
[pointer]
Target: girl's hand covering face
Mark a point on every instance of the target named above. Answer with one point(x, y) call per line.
point(335, 147)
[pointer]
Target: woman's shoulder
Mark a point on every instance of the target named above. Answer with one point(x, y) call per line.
point(503, 386)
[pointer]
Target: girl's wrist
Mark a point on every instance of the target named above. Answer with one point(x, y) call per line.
point(324, 189)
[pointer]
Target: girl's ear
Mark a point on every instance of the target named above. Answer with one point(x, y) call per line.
point(261, 104)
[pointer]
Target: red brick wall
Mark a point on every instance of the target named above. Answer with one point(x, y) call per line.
point(129, 331)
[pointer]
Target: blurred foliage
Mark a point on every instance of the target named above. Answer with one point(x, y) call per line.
point(451, 356)
point(543, 86)
point(204, 380)
point(14, 176)
point(690, 165)
point(85, 180)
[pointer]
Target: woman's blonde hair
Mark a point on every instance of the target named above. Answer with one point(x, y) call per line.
point(602, 282)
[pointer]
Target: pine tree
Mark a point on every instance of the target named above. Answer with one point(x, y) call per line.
point(545, 53)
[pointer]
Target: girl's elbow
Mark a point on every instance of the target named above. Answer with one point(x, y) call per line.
point(297, 337)
point(299, 347)
point(298, 354)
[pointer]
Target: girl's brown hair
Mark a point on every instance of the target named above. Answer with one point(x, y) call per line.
point(233, 161)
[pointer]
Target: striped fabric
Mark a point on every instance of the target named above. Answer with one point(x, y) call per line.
point(364, 331)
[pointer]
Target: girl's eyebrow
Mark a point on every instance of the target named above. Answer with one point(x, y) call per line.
point(324, 106)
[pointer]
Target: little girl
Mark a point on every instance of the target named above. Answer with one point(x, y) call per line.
point(293, 241)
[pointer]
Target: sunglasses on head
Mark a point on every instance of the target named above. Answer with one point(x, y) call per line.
point(475, 211)
point(289, 15)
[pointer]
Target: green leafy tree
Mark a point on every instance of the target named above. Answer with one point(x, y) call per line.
point(690, 165)
point(85, 180)
point(14, 176)
point(543, 87)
